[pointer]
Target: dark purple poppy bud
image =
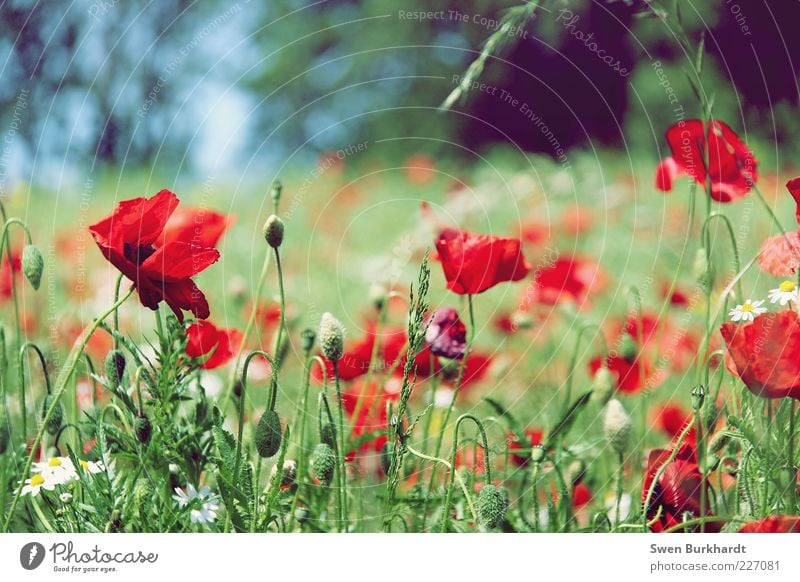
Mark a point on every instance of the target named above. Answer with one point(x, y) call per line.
point(446, 335)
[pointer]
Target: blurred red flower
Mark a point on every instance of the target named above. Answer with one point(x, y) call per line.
point(204, 336)
point(766, 353)
point(565, 279)
point(628, 373)
point(732, 167)
point(671, 418)
point(533, 436)
point(198, 226)
point(773, 524)
point(473, 263)
point(8, 272)
point(677, 490)
point(131, 238)
point(780, 254)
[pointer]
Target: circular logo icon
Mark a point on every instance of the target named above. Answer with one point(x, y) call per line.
point(31, 555)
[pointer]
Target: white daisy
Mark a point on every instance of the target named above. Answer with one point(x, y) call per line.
point(786, 292)
point(56, 470)
point(747, 311)
point(94, 468)
point(36, 483)
point(204, 503)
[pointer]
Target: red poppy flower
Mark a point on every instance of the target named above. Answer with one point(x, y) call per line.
point(132, 239)
point(8, 272)
point(766, 353)
point(204, 336)
point(628, 372)
point(198, 226)
point(780, 254)
point(533, 436)
point(677, 490)
point(475, 369)
point(566, 279)
point(473, 263)
point(671, 418)
point(732, 167)
point(773, 524)
point(393, 346)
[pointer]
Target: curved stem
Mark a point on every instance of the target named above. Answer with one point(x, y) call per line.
point(21, 370)
point(734, 247)
point(116, 312)
point(242, 397)
point(458, 478)
point(61, 385)
point(449, 495)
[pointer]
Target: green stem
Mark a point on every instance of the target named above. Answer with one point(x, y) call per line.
point(343, 450)
point(449, 495)
point(61, 385)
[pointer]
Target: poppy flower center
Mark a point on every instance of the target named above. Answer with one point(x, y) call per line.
point(37, 480)
point(787, 286)
point(138, 254)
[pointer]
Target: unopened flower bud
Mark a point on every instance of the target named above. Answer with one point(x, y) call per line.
point(307, 339)
point(323, 463)
point(32, 265)
point(276, 191)
point(328, 434)
point(627, 348)
point(331, 337)
point(115, 368)
point(602, 385)
point(703, 270)
point(492, 506)
point(268, 434)
point(698, 397)
point(143, 428)
point(617, 426)
point(56, 419)
point(576, 471)
point(538, 454)
point(273, 231)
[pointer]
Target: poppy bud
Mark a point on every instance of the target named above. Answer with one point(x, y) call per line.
point(617, 426)
point(602, 385)
point(698, 397)
point(377, 295)
point(718, 442)
point(268, 434)
point(276, 191)
point(331, 337)
point(57, 418)
point(492, 506)
point(32, 265)
point(323, 463)
point(115, 367)
point(142, 428)
point(627, 348)
point(576, 471)
point(307, 339)
point(289, 473)
point(703, 270)
point(273, 231)
point(538, 454)
point(328, 434)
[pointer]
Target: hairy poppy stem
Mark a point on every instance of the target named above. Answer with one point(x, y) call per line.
point(5, 242)
point(487, 467)
point(61, 385)
point(21, 369)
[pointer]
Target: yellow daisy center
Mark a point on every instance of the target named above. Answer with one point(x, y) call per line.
point(37, 480)
point(787, 286)
point(85, 465)
point(54, 462)
point(747, 307)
